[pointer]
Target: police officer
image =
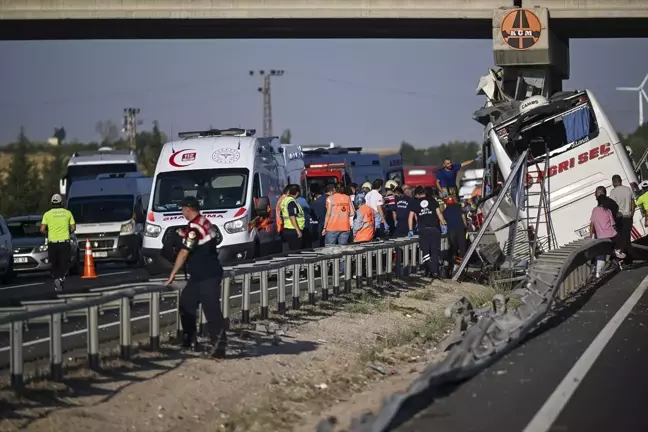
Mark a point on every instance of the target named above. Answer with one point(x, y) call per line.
point(199, 240)
point(293, 218)
point(401, 212)
point(429, 218)
point(58, 223)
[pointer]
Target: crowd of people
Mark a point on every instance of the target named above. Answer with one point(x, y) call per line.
point(338, 214)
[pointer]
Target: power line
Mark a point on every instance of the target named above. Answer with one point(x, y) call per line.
point(267, 97)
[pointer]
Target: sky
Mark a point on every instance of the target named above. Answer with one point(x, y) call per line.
point(372, 93)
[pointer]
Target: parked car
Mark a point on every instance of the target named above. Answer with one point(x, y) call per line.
point(6, 253)
point(30, 249)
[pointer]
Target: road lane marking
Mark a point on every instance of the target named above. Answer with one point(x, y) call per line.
point(548, 414)
point(21, 286)
point(79, 332)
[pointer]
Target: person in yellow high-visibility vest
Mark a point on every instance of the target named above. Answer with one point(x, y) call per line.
point(293, 218)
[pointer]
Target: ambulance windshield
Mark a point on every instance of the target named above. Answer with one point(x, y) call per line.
point(215, 189)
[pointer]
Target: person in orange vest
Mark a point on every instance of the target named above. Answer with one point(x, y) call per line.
point(364, 225)
point(339, 210)
point(278, 209)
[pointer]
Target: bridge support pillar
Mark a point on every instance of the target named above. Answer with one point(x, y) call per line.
point(533, 59)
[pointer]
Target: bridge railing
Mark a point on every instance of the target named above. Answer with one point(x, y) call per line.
point(482, 336)
point(366, 263)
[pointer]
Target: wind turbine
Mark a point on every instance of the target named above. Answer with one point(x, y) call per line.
point(641, 93)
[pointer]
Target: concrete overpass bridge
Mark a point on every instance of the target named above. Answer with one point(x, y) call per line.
point(151, 19)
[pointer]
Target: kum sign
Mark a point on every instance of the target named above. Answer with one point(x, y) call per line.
point(599, 152)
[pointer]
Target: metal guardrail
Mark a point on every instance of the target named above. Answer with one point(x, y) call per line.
point(368, 263)
point(483, 336)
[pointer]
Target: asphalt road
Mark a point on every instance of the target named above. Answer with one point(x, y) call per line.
point(584, 370)
point(39, 286)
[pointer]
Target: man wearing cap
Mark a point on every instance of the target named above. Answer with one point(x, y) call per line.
point(199, 241)
point(57, 224)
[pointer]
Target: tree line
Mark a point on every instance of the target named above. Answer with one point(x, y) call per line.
point(31, 170)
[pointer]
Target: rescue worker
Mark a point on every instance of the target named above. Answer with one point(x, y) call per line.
point(293, 217)
point(457, 229)
point(57, 224)
point(401, 213)
point(426, 213)
point(624, 198)
point(283, 195)
point(446, 177)
point(199, 241)
point(364, 226)
point(319, 208)
point(339, 210)
point(642, 200)
point(407, 190)
point(390, 204)
point(360, 196)
point(374, 199)
point(308, 215)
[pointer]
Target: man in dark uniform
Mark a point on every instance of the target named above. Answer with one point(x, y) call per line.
point(401, 212)
point(199, 241)
point(425, 210)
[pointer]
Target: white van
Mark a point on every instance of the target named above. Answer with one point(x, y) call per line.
point(110, 211)
point(237, 179)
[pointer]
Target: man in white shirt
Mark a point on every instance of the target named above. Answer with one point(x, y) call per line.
point(624, 198)
point(374, 199)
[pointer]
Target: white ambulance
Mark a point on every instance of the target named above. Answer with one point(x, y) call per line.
point(237, 179)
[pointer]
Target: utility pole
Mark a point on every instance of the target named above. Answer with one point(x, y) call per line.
point(267, 98)
point(130, 125)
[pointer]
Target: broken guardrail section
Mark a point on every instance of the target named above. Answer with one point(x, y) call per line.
point(483, 336)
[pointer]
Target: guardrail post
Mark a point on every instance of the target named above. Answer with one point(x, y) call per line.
point(406, 260)
point(358, 269)
point(154, 321)
point(16, 344)
point(311, 283)
point(93, 337)
point(264, 294)
point(225, 297)
point(413, 258)
point(178, 320)
point(347, 273)
point(56, 349)
point(124, 329)
point(379, 266)
point(245, 311)
point(399, 262)
point(369, 271)
point(281, 287)
point(336, 276)
point(295, 285)
point(390, 264)
point(325, 280)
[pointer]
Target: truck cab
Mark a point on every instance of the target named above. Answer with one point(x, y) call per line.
point(341, 164)
point(110, 212)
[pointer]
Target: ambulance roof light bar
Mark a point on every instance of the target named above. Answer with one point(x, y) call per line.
point(232, 132)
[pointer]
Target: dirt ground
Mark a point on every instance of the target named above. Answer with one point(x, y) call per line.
point(339, 359)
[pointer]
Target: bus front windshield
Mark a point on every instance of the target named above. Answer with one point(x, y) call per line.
point(91, 171)
point(215, 189)
point(556, 133)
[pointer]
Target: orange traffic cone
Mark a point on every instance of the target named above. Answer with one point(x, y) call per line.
point(88, 263)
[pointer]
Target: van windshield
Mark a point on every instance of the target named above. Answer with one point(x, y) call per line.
point(101, 209)
point(215, 189)
point(89, 172)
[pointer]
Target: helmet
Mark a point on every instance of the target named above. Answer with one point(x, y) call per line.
point(391, 184)
point(366, 185)
point(644, 184)
point(57, 199)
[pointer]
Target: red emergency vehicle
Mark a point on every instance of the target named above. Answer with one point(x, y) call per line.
point(420, 176)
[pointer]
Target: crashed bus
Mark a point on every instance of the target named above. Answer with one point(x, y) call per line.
point(584, 152)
